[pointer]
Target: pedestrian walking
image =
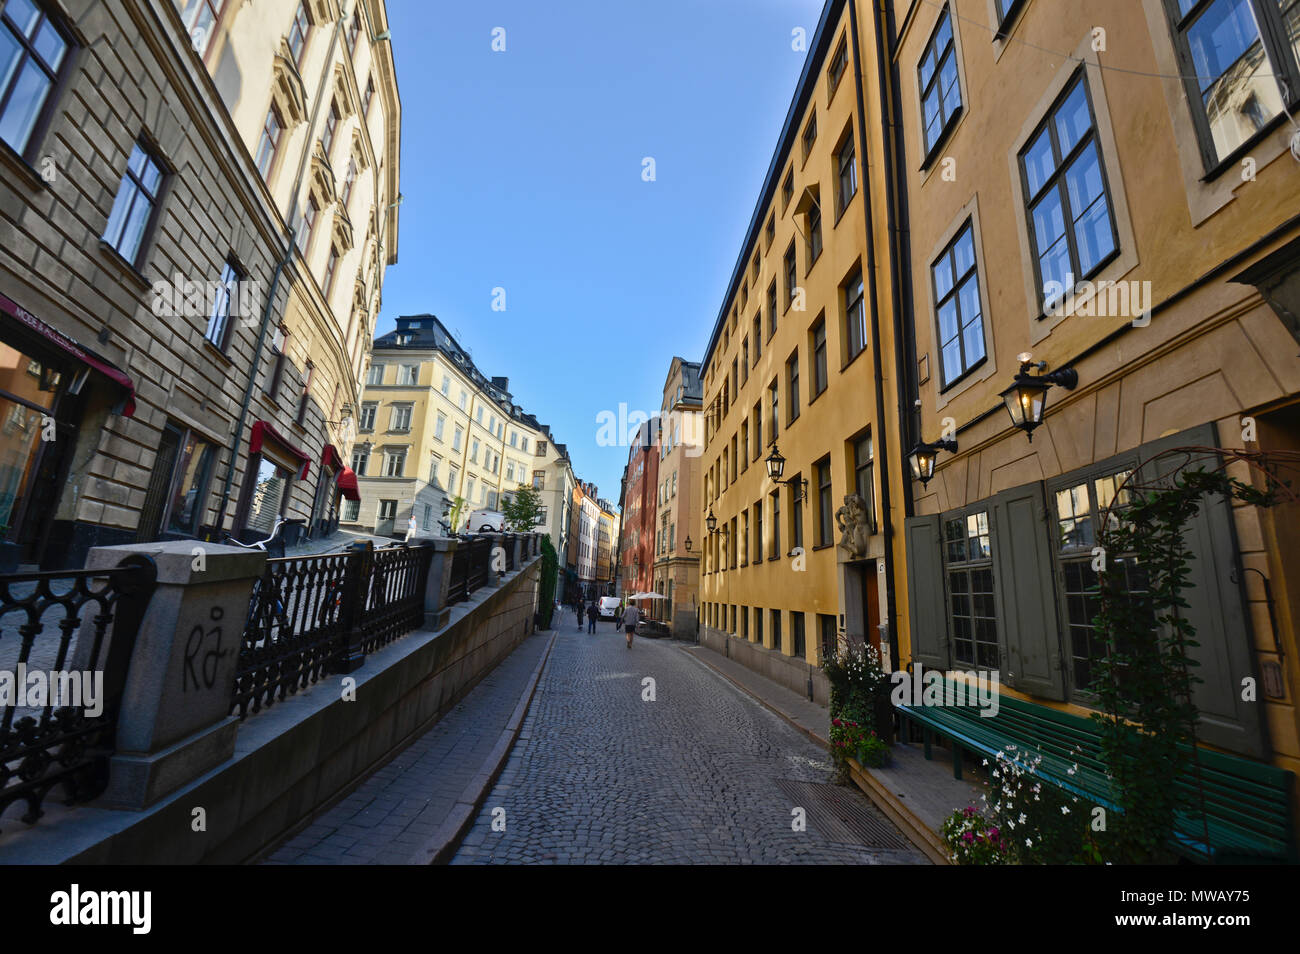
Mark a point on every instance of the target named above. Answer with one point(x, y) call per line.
point(591, 617)
point(630, 617)
point(411, 529)
point(577, 611)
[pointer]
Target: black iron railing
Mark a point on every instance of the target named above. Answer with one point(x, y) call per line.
point(471, 565)
point(312, 616)
point(76, 627)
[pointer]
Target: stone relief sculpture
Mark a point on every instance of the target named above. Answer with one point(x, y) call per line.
point(855, 526)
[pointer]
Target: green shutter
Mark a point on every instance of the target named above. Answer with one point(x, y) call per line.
point(1027, 620)
point(925, 592)
point(1215, 608)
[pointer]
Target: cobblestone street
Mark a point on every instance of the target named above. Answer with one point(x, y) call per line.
point(703, 774)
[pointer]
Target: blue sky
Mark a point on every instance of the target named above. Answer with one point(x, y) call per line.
point(522, 170)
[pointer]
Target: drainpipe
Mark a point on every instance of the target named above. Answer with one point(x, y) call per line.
point(275, 285)
point(881, 439)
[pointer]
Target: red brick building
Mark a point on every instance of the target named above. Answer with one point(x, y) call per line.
point(638, 502)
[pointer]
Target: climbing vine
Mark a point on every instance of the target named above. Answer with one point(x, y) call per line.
point(1147, 675)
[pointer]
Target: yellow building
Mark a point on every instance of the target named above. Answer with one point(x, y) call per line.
point(433, 428)
point(1050, 148)
point(800, 362)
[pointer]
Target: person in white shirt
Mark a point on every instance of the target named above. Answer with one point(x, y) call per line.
point(411, 529)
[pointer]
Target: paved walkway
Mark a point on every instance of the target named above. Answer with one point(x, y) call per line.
point(604, 771)
point(813, 719)
point(396, 810)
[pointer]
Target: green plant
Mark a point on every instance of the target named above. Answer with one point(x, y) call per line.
point(523, 510)
point(546, 586)
point(846, 738)
point(974, 840)
point(1145, 677)
point(857, 683)
point(1043, 824)
point(454, 514)
point(873, 752)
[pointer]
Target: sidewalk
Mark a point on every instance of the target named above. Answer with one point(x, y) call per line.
point(405, 806)
point(916, 794)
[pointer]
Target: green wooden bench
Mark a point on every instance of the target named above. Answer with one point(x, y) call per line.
point(1247, 815)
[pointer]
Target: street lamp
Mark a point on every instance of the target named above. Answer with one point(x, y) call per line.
point(688, 543)
point(1026, 399)
point(711, 522)
point(776, 467)
point(923, 456)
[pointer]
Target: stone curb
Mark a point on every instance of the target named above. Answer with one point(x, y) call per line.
point(442, 844)
point(915, 830)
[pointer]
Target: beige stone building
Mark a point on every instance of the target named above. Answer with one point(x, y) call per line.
point(198, 202)
point(677, 532)
point(433, 429)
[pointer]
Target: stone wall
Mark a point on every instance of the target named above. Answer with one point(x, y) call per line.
point(788, 671)
point(302, 754)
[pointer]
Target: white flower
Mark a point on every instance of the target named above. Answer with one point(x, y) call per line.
point(986, 761)
point(1064, 810)
point(1022, 818)
point(1029, 843)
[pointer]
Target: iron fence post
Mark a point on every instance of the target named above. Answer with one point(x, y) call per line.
point(356, 589)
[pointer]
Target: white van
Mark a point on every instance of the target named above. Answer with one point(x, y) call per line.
point(607, 607)
point(486, 521)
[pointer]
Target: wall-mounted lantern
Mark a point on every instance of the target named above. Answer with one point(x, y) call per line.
point(1026, 399)
point(776, 467)
point(923, 457)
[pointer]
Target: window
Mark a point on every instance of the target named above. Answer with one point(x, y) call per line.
point(541, 448)
point(744, 622)
point(303, 394)
point(469, 489)
point(820, 380)
point(771, 309)
point(825, 507)
point(279, 346)
point(351, 511)
point(446, 384)
point(829, 638)
point(792, 385)
point(394, 462)
point(401, 419)
point(270, 489)
point(539, 480)
point(940, 91)
point(367, 422)
point(855, 318)
point(298, 30)
point(463, 398)
point(1078, 508)
point(408, 374)
point(863, 483)
point(387, 510)
point(846, 180)
point(375, 374)
point(796, 517)
point(177, 495)
point(791, 275)
point(744, 539)
point(434, 461)
point(814, 233)
point(331, 265)
point(774, 402)
point(809, 135)
point(796, 631)
point(757, 338)
point(744, 360)
point(510, 471)
point(774, 550)
point(369, 94)
point(1239, 58)
point(268, 145)
point(758, 532)
point(776, 630)
point(307, 226)
point(360, 458)
point(1006, 8)
point(453, 474)
point(771, 228)
point(957, 307)
point(331, 125)
point(473, 451)
point(460, 435)
point(968, 565)
point(32, 50)
point(787, 189)
point(440, 426)
point(839, 63)
point(219, 321)
point(199, 18)
point(1071, 229)
point(354, 32)
point(758, 626)
point(137, 197)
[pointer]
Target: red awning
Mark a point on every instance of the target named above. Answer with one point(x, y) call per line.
point(347, 482)
point(263, 430)
point(11, 308)
point(330, 457)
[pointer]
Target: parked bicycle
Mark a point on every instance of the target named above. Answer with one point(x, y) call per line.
point(272, 546)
